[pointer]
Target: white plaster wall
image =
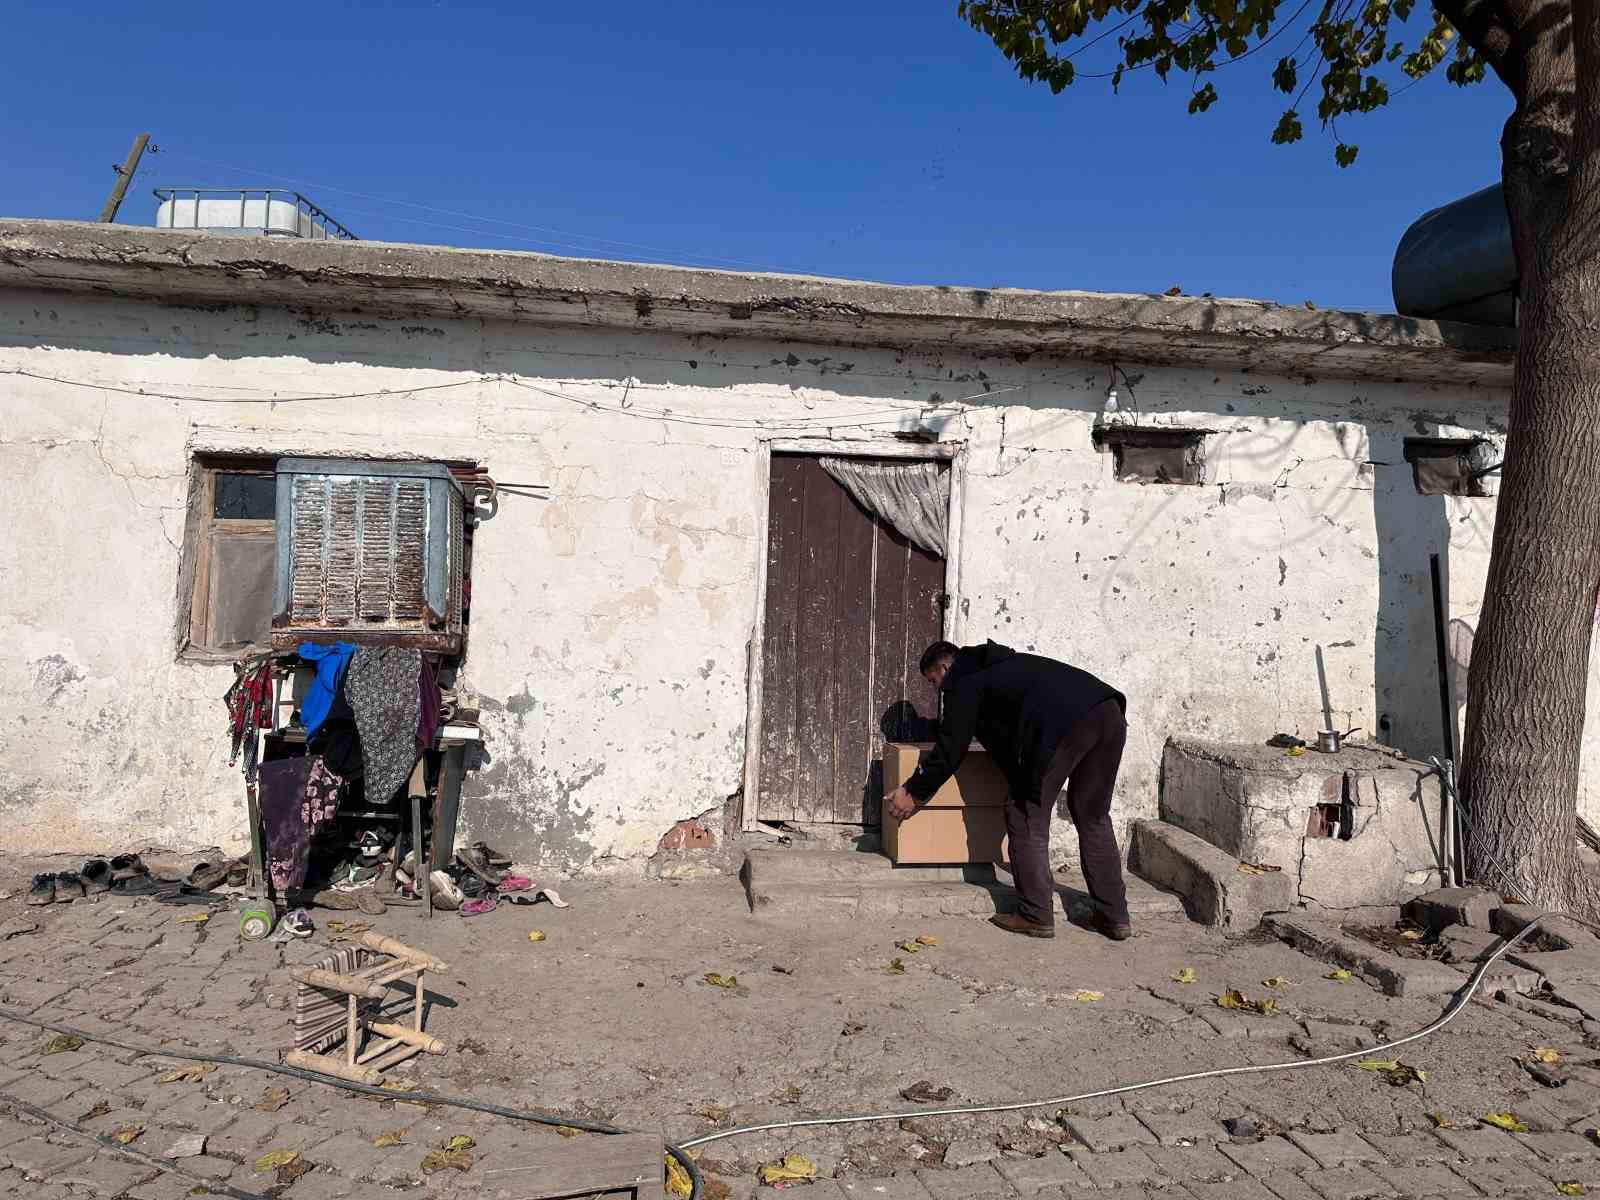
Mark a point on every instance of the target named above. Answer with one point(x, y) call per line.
point(611, 624)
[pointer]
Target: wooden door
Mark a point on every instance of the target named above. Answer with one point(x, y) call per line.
point(850, 607)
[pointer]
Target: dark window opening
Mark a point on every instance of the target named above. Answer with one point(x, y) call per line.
point(1451, 466)
point(1143, 455)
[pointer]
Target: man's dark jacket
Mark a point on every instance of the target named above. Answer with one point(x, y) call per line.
point(1019, 706)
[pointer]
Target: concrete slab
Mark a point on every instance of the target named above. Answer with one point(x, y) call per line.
point(1214, 890)
point(1390, 974)
point(1443, 907)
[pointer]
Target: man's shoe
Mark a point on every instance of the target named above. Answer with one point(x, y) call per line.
point(1012, 923)
point(1116, 932)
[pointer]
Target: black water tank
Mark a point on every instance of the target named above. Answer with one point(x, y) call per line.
point(1456, 263)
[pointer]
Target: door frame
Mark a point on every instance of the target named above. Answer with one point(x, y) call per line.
point(954, 453)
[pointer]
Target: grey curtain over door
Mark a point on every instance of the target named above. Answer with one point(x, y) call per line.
point(912, 498)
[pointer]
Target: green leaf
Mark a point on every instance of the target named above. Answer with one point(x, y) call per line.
point(1345, 155)
point(1202, 100)
point(1288, 130)
point(1286, 76)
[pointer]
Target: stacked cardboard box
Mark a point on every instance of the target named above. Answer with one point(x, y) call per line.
point(963, 822)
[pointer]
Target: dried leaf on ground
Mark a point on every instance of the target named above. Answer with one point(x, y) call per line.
point(446, 1160)
point(1340, 975)
point(194, 919)
point(782, 970)
point(1295, 751)
point(1571, 1187)
point(896, 967)
point(1085, 996)
point(851, 1028)
point(99, 1110)
point(193, 1073)
point(791, 1168)
point(923, 1092)
point(1546, 1054)
point(1187, 975)
point(390, 1137)
point(1505, 1120)
point(272, 1099)
point(1277, 981)
point(538, 935)
point(908, 946)
point(1397, 1073)
point(1258, 869)
point(126, 1134)
point(678, 1181)
point(1411, 935)
point(715, 1189)
point(273, 1159)
point(459, 1142)
point(1440, 1121)
point(722, 981)
point(927, 940)
point(1239, 1002)
point(715, 1113)
point(567, 1131)
point(62, 1043)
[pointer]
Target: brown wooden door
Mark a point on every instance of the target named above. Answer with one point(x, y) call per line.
point(850, 607)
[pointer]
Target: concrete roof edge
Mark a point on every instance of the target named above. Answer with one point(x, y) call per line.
point(516, 285)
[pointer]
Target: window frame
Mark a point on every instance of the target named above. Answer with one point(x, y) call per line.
point(201, 530)
point(1190, 442)
point(1418, 450)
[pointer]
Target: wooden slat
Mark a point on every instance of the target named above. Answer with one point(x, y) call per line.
point(852, 666)
point(780, 690)
point(924, 621)
point(889, 632)
point(819, 585)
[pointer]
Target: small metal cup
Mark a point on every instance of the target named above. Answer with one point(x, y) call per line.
point(1329, 740)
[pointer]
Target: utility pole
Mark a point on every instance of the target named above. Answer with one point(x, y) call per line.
point(124, 178)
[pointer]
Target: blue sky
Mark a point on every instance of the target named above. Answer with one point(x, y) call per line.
point(880, 141)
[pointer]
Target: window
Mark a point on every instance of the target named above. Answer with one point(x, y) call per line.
point(1146, 455)
point(1452, 466)
point(229, 552)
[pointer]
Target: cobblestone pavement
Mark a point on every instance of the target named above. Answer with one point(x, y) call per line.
point(611, 1017)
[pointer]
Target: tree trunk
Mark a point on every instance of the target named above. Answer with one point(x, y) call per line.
point(1530, 659)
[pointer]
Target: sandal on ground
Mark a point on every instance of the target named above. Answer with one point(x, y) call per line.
point(207, 876)
point(96, 875)
point(515, 883)
point(489, 856)
point(69, 886)
point(43, 890)
point(127, 866)
point(550, 895)
point(136, 885)
point(298, 923)
point(476, 908)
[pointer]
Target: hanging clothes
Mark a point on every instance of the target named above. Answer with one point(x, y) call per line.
point(429, 700)
point(382, 689)
point(330, 662)
point(249, 703)
point(298, 797)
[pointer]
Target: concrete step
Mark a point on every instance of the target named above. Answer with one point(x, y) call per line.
point(846, 884)
point(1214, 888)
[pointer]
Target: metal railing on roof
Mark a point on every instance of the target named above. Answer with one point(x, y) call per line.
point(273, 212)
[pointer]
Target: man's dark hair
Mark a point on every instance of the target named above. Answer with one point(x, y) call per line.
point(935, 652)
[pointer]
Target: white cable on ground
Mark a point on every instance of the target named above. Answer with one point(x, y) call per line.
point(1463, 996)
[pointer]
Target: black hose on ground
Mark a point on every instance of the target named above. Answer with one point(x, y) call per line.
point(538, 1118)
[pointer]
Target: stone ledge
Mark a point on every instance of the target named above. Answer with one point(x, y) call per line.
point(1214, 890)
point(1390, 974)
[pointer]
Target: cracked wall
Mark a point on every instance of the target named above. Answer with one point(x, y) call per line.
point(611, 623)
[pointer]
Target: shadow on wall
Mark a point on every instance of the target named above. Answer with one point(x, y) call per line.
point(1409, 528)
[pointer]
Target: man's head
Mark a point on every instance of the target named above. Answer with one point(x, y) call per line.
point(936, 660)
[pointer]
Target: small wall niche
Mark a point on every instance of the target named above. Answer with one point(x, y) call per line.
point(1452, 466)
point(1146, 455)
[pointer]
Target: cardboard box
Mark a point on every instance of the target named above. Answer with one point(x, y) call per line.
point(977, 784)
point(953, 837)
point(963, 822)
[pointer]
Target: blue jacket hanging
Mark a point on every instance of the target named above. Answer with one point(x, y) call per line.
point(330, 661)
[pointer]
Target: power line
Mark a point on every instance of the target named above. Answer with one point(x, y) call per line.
point(451, 212)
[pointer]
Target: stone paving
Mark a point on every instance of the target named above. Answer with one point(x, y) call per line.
point(612, 1018)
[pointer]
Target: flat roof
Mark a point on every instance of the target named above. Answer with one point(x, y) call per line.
point(393, 279)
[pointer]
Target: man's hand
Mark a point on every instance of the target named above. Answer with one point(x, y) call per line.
point(901, 803)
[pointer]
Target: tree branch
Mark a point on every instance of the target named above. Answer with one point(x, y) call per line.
point(1483, 26)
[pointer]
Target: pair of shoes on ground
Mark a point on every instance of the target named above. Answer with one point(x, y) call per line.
point(208, 876)
point(125, 872)
point(1016, 923)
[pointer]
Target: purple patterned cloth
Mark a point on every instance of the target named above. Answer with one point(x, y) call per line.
point(298, 796)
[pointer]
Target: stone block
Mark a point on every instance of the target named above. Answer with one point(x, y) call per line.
point(1439, 909)
point(1340, 1149)
point(1389, 973)
point(1103, 1134)
point(1411, 1148)
point(902, 1185)
point(967, 1152)
point(1188, 1164)
point(1348, 1183)
point(1214, 891)
point(1242, 1188)
point(1484, 1144)
point(1121, 1168)
point(1030, 1176)
point(981, 1182)
point(1506, 1180)
point(103, 1174)
point(1268, 1155)
point(1417, 1179)
point(1561, 1147)
point(1285, 1186)
point(1555, 931)
point(1183, 1129)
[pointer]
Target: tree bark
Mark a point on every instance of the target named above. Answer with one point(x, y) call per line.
point(1530, 660)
